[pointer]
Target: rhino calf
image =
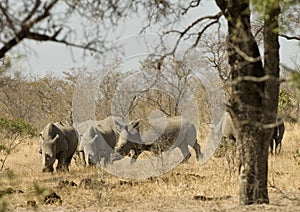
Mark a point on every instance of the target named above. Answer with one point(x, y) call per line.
point(97, 139)
point(94, 147)
point(59, 142)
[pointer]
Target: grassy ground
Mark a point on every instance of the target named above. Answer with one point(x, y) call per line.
point(190, 186)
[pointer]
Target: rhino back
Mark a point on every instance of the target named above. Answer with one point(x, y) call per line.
point(106, 128)
point(170, 132)
point(71, 137)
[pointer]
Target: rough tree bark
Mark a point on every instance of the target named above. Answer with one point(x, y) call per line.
point(254, 95)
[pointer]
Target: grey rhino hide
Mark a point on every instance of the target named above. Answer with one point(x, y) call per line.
point(107, 128)
point(95, 147)
point(157, 136)
point(59, 142)
point(226, 131)
point(97, 139)
point(226, 128)
point(81, 128)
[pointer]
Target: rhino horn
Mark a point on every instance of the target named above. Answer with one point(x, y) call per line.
point(55, 138)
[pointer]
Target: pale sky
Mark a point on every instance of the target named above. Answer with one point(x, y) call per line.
point(56, 58)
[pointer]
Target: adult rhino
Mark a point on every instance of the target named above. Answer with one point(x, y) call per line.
point(57, 141)
point(229, 132)
point(97, 139)
point(158, 136)
point(226, 127)
point(94, 147)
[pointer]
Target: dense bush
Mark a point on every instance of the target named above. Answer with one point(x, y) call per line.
point(18, 127)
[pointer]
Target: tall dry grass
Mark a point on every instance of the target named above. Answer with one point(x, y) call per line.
point(188, 187)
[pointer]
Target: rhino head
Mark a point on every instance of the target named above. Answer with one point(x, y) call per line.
point(48, 149)
point(90, 151)
point(128, 142)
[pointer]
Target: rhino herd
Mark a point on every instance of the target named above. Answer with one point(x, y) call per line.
point(103, 142)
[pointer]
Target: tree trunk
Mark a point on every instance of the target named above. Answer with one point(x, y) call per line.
point(254, 97)
point(271, 69)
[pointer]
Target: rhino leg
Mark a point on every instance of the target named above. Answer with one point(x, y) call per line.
point(106, 158)
point(62, 167)
point(48, 169)
point(186, 157)
point(62, 164)
point(81, 158)
point(185, 152)
point(115, 156)
point(87, 160)
point(277, 146)
point(134, 154)
point(68, 160)
point(271, 146)
point(47, 161)
point(133, 160)
point(197, 149)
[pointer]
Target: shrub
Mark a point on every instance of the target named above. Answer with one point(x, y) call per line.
point(12, 134)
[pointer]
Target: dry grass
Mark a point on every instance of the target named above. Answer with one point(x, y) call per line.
point(188, 187)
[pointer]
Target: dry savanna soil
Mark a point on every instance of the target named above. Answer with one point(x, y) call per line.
point(190, 186)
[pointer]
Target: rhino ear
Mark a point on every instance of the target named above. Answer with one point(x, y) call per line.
point(135, 124)
point(119, 126)
point(126, 128)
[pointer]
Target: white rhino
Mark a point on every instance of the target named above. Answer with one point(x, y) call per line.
point(277, 136)
point(97, 140)
point(158, 136)
point(226, 127)
point(81, 128)
point(94, 147)
point(57, 141)
point(229, 132)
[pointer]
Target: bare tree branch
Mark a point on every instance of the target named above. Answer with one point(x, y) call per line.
point(243, 54)
point(43, 37)
point(193, 4)
point(203, 30)
point(49, 20)
point(32, 12)
point(25, 26)
point(10, 22)
point(297, 37)
point(185, 32)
